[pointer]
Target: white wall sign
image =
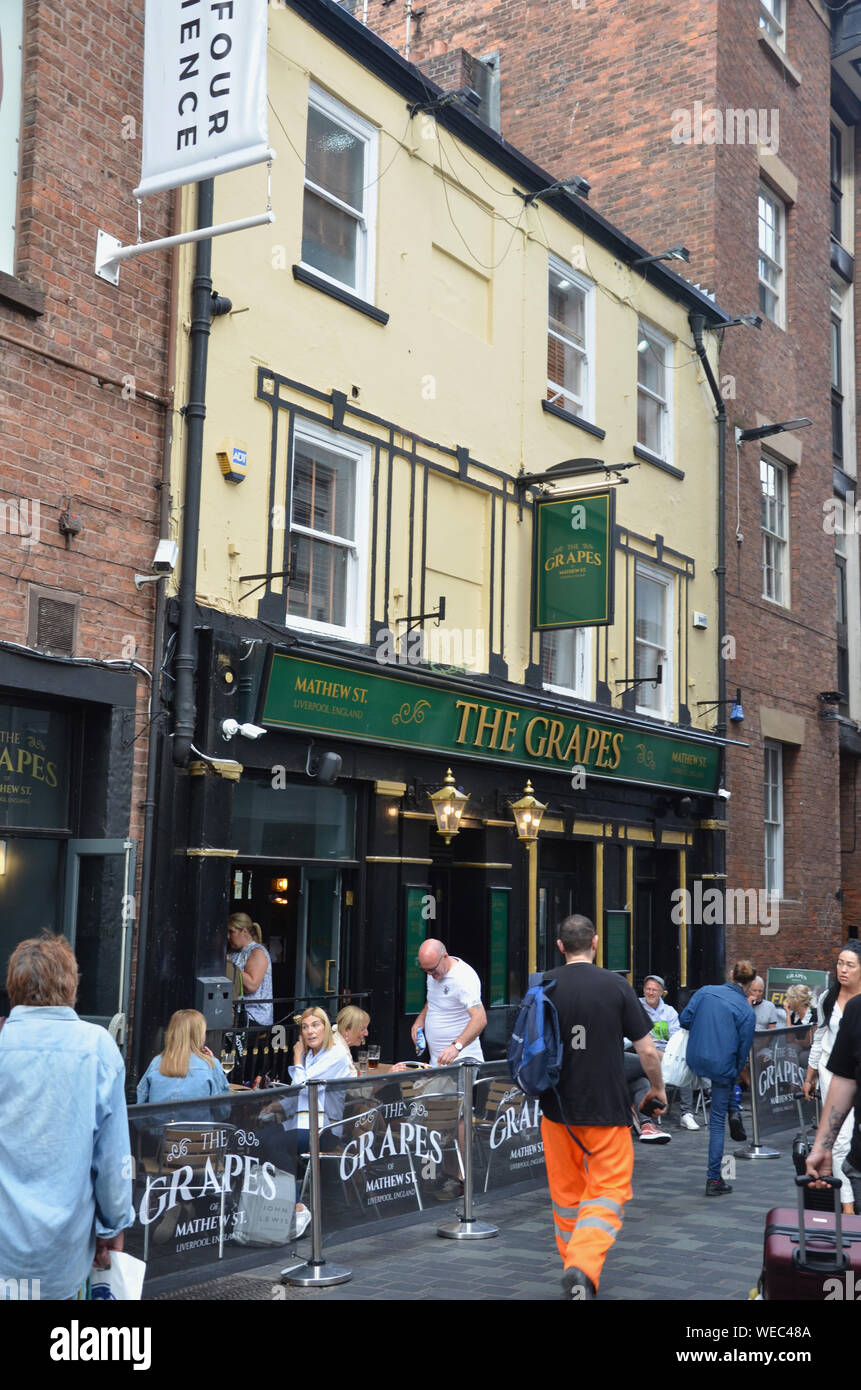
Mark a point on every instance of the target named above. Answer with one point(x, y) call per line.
point(204, 90)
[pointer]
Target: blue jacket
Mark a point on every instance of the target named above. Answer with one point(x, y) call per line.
point(65, 1167)
point(721, 1024)
point(200, 1080)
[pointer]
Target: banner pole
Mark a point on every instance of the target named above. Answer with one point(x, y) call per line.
point(466, 1227)
point(755, 1150)
point(315, 1273)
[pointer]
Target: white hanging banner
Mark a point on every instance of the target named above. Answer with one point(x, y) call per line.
point(204, 109)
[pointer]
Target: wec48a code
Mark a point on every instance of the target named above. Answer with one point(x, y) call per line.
point(716, 1333)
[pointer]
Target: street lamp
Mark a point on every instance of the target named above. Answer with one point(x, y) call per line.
point(527, 814)
point(449, 805)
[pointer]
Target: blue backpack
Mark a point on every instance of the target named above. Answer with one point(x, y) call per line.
point(535, 1049)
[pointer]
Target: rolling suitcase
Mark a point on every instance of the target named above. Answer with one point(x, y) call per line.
point(812, 1256)
point(814, 1197)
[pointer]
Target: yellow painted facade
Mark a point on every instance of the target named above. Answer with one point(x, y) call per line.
point(460, 266)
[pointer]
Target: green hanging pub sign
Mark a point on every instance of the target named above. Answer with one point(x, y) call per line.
point(573, 563)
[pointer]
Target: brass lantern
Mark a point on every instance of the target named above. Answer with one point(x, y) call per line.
point(527, 814)
point(449, 805)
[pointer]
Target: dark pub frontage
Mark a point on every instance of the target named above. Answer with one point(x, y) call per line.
point(324, 831)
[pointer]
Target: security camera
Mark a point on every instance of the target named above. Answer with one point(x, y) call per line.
point(230, 728)
point(164, 560)
point(724, 794)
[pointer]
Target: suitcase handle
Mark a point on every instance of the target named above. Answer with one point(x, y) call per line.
point(841, 1261)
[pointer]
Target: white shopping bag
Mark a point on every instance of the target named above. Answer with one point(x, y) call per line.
point(124, 1279)
point(267, 1220)
point(673, 1063)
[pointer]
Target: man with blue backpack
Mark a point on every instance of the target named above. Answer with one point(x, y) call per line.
point(567, 1048)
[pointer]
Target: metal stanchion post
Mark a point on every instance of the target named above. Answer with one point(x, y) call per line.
point(316, 1273)
point(755, 1150)
point(465, 1227)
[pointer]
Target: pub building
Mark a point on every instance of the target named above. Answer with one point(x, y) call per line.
point(347, 878)
point(397, 412)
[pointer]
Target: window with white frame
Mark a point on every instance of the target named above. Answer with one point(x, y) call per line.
point(328, 532)
point(771, 233)
point(654, 380)
point(11, 39)
point(774, 483)
point(569, 340)
point(653, 639)
point(772, 18)
point(566, 661)
point(773, 817)
point(339, 214)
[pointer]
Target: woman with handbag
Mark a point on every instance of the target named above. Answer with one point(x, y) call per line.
point(830, 1010)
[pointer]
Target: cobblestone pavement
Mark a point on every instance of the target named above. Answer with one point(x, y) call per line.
point(675, 1243)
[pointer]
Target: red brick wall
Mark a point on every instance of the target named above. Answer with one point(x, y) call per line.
point(596, 90)
point(68, 437)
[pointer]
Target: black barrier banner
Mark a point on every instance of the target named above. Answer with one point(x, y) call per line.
point(220, 1178)
point(506, 1130)
point(778, 1068)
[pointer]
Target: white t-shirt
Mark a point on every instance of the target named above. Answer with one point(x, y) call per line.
point(449, 1002)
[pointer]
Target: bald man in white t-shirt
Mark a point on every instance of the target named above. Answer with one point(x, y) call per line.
point(453, 1017)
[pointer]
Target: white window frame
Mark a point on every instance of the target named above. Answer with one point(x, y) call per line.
point(561, 398)
point(773, 816)
point(772, 18)
point(356, 625)
point(583, 658)
point(10, 130)
point(365, 217)
point(777, 266)
point(665, 689)
point(659, 343)
point(778, 539)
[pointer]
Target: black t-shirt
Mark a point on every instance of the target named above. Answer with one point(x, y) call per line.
point(845, 1060)
point(596, 1011)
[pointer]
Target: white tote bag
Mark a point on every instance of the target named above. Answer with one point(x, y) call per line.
point(674, 1064)
point(267, 1220)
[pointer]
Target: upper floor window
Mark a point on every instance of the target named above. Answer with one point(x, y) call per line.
point(772, 18)
point(775, 531)
point(339, 214)
point(569, 340)
point(566, 661)
point(837, 377)
point(836, 182)
point(773, 817)
point(11, 38)
point(772, 220)
point(653, 391)
point(653, 639)
point(328, 532)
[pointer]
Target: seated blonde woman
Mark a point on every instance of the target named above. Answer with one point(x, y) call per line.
point(186, 1069)
point(351, 1030)
point(316, 1057)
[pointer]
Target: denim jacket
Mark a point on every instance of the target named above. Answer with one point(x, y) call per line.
point(721, 1024)
point(65, 1170)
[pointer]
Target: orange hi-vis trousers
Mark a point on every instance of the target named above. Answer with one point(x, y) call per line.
point(587, 1194)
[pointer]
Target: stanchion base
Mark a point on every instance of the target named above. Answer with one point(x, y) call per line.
point(321, 1276)
point(459, 1229)
point(759, 1151)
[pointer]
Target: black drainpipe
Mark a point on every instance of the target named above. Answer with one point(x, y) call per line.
point(195, 414)
point(697, 323)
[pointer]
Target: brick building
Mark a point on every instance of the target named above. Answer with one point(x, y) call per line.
point(84, 409)
point(711, 129)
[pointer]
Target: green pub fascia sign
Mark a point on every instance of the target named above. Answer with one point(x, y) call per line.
point(321, 697)
point(573, 564)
